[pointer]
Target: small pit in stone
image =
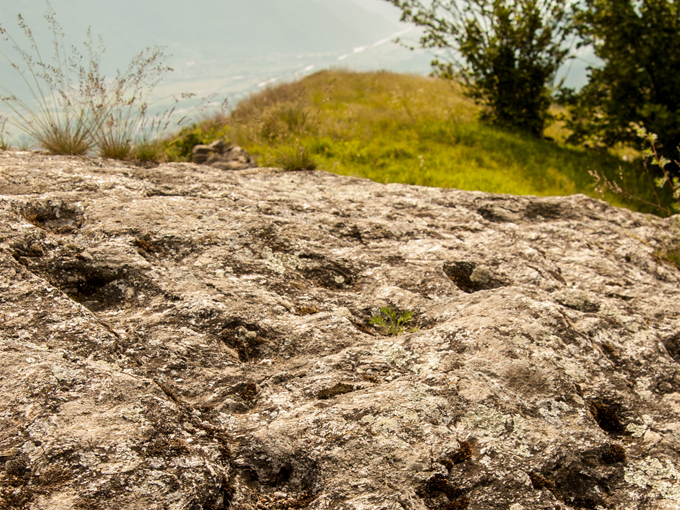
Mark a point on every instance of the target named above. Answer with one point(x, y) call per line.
point(540, 212)
point(613, 453)
point(439, 493)
point(328, 274)
point(672, 345)
point(470, 277)
point(538, 482)
point(338, 389)
point(578, 489)
point(606, 415)
point(53, 215)
point(168, 247)
point(247, 391)
point(463, 453)
point(96, 286)
point(247, 339)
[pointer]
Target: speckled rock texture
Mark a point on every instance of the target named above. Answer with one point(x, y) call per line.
point(183, 337)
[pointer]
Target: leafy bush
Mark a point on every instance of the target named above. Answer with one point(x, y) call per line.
point(638, 43)
point(666, 181)
point(295, 157)
point(510, 49)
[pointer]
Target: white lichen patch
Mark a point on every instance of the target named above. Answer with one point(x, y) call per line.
point(393, 353)
point(488, 419)
point(278, 262)
point(551, 411)
point(497, 424)
point(642, 385)
point(639, 430)
point(662, 477)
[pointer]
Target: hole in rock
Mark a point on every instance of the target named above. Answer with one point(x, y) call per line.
point(438, 492)
point(578, 489)
point(613, 453)
point(53, 215)
point(247, 339)
point(284, 474)
point(330, 275)
point(606, 415)
point(168, 247)
point(463, 453)
point(469, 277)
point(338, 389)
point(540, 210)
point(97, 288)
point(672, 345)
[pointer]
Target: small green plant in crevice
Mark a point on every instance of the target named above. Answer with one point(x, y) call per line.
point(393, 323)
point(666, 180)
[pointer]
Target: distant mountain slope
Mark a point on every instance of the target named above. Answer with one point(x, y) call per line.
point(213, 26)
point(226, 46)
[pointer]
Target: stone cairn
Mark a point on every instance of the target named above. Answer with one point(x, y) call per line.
point(219, 155)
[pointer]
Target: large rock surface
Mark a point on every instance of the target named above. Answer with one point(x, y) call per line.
point(183, 338)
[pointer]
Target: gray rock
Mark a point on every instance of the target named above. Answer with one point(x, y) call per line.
point(182, 337)
point(218, 155)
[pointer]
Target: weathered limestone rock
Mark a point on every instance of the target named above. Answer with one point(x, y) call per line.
point(183, 338)
point(218, 155)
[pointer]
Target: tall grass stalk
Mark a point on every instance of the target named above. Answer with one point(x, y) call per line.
point(4, 144)
point(665, 181)
point(74, 108)
point(58, 117)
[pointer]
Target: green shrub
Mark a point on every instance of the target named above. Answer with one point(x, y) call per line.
point(506, 51)
point(295, 157)
point(146, 151)
point(638, 45)
point(669, 185)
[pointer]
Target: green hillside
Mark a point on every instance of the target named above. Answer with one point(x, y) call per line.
point(410, 129)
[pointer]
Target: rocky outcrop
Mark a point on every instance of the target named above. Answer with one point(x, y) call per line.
point(181, 337)
point(223, 157)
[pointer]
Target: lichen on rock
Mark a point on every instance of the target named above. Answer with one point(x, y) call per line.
point(187, 337)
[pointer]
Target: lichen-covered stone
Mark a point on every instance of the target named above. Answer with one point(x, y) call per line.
point(169, 336)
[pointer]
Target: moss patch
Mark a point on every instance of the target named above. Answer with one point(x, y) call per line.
point(613, 453)
point(463, 453)
point(606, 416)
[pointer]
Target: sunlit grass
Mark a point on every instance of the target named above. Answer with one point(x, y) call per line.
point(411, 129)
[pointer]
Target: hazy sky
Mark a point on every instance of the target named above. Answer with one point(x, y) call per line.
point(212, 38)
point(234, 47)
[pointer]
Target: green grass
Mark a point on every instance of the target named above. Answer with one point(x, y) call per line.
point(411, 129)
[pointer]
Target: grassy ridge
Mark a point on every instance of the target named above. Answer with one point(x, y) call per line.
point(411, 129)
